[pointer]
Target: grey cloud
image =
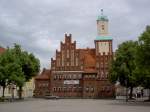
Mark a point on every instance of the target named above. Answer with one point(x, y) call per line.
point(39, 25)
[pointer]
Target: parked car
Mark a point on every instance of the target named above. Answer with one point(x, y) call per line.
point(51, 97)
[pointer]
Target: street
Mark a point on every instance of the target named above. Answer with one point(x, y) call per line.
point(74, 105)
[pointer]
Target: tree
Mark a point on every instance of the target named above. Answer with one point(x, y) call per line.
point(29, 64)
point(10, 70)
point(123, 67)
point(17, 67)
point(143, 59)
point(16, 75)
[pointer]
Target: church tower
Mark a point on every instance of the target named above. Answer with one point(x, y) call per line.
point(103, 42)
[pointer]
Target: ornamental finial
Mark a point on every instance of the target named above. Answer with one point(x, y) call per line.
point(101, 11)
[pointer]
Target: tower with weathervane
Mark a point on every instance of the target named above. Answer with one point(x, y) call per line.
point(104, 54)
point(103, 47)
point(103, 42)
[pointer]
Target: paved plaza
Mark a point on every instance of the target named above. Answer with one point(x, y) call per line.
point(73, 105)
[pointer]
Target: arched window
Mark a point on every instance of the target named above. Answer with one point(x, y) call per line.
point(103, 27)
point(72, 57)
point(67, 53)
point(62, 58)
point(87, 89)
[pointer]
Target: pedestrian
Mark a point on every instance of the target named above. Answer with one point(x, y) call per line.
point(142, 92)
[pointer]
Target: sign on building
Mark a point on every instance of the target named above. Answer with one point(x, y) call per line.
point(71, 82)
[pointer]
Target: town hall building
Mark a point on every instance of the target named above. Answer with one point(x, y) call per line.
point(79, 72)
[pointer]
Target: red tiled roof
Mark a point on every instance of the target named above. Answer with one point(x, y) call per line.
point(89, 61)
point(45, 74)
point(2, 50)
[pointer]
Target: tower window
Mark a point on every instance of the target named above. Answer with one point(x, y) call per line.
point(102, 27)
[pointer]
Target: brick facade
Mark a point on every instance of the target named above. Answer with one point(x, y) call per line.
point(42, 83)
point(83, 73)
point(77, 73)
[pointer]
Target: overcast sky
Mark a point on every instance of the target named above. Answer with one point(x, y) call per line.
point(39, 25)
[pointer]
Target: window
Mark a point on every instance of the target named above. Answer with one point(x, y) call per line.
point(65, 89)
point(54, 89)
point(106, 75)
point(62, 58)
point(107, 88)
point(81, 67)
point(65, 77)
point(67, 63)
point(86, 76)
point(76, 61)
point(59, 77)
point(72, 57)
point(89, 76)
point(92, 89)
point(55, 77)
point(80, 89)
point(67, 53)
point(69, 76)
point(69, 89)
point(87, 89)
point(74, 76)
point(93, 76)
point(80, 76)
point(73, 89)
point(97, 65)
point(102, 27)
point(58, 61)
point(102, 74)
point(59, 89)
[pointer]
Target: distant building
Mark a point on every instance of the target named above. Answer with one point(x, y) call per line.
point(42, 83)
point(2, 49)
point(28, 88)
point(79, 73)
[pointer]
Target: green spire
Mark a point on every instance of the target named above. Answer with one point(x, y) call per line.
point(102, 17)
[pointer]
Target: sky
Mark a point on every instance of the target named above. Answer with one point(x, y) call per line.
point(39, 25)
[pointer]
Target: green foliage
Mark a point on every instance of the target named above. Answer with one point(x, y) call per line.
point(17, 66)
point(17, 77)
point(10, 70)
point(131, 66)
point(123, 66)
point(143, 58)
point(29, 64)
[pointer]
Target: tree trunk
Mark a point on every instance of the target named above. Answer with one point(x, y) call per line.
point(20, 92)
point(12, 95)
point(149, 96)
point(3, 94)
point(131, 91)
point(126, 94)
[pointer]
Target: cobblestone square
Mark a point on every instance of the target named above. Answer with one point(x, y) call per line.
point(74, 105)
